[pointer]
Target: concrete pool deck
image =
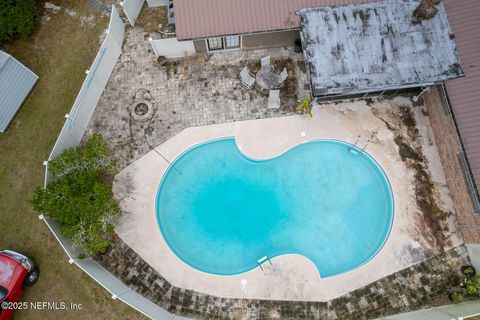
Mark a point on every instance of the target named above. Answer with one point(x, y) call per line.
point(292, 277)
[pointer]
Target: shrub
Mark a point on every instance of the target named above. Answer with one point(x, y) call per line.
point(471, 286)
point(468, 271)
point(305, 107)
point(17, 18)
point(80, 195)
point(456, 297)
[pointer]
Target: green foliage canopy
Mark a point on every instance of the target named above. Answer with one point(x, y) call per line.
point(80, 195)
point(17, 18)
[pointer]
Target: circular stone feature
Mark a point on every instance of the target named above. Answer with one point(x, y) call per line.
point(142, 110)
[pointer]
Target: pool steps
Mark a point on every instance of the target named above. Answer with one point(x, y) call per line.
point(262, 260)
point(353, 148)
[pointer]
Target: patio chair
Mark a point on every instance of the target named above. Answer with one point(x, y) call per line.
point(247, 79)
point(274, 99)
point(265, 62)
point(283, 76)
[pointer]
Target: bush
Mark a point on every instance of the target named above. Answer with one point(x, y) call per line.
point(471, 286)
point(17, 18)
point(80, 195)
point(305, 107)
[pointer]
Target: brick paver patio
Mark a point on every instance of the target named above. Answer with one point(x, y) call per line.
point(192, 91)
point(421, 286)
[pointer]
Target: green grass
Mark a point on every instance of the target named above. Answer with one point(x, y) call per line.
point(59, 52)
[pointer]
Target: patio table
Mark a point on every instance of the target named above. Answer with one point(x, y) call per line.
point(267, 78)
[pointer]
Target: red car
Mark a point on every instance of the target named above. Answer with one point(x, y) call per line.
point(16, 271)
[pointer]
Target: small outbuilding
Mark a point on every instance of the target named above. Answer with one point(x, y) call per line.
point(376, 48)
point(16, 83)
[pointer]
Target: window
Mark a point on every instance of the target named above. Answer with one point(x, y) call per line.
point(215, 43)
point(220, 43)
point(3, 292)
point(232, 42)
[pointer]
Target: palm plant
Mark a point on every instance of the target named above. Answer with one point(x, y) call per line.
point(305, 107)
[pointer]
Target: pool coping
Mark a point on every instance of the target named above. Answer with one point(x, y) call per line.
point(252, 136)
point(377, 165)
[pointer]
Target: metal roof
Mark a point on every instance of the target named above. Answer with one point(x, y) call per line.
point(3, 58)
point(464, 93)
point(206, 18)
point(16, 82)
point(376, 46)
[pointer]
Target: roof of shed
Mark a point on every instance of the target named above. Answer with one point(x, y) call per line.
point(207, 18)
point(464, 93)
point(376, 46)
point(16, 82)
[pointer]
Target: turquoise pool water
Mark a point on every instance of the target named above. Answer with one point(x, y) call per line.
point(223, 211)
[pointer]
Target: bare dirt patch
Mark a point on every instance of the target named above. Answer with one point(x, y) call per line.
point(433, 220)
point(153, 20)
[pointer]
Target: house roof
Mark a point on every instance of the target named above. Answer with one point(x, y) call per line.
point(206, 18)
point(16, 82)
point(464, 93)
point(376, 46)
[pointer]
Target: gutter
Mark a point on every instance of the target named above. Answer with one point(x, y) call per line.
point(463, 156)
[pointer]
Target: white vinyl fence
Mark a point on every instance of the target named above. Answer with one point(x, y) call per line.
point(459, 311)
point(112, 284)
point(70, 136)
point(92, 88)
point(172, 48)
point(157, 3)
point(132, 9)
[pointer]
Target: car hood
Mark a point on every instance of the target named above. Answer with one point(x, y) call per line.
point(10, 270)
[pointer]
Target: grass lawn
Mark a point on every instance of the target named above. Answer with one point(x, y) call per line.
point(62, 48)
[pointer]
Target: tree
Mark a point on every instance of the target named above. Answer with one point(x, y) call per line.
point(17, 18)
point(80, 195)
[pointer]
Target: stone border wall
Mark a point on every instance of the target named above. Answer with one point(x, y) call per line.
point(421, 286)
point(449, 147)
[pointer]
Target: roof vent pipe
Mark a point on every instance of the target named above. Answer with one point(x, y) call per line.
point(424, 90)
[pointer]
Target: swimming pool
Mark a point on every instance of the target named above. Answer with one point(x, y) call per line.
point(220, 211)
